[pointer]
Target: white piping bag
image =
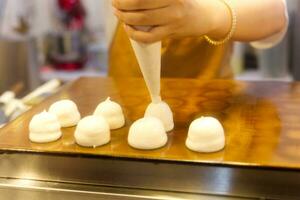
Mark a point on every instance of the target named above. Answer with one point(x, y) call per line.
point(149, 59)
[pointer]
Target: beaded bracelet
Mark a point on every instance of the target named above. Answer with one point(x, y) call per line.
point(232, 29)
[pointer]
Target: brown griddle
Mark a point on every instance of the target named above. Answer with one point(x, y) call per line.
point(261, 122)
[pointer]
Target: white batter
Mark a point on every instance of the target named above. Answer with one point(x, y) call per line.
point(112, 112)
point(149, 59)
point(44, 127)
point(66, 112)
point(162, 111)
point(147, 133)
point(92, 131)
point(206, 135)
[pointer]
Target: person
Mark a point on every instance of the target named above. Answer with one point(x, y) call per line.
point(197, 35)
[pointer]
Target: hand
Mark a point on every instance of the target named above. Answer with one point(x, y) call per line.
point(173, 18)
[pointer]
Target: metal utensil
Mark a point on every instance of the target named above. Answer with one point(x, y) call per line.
point(3, 118)
point(7, 97)
point(10, 107)
point(48, 87)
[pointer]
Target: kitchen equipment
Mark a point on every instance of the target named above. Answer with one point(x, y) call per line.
point(149, 59)
point(3, 118)
point(67, 50)
point(44, 90)
point(148, 56)
point(67, 46)
point(260, 160)
point(10, 107)
point(6, 98)
point(13, 61)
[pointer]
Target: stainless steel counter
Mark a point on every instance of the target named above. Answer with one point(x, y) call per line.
point(32, 176)
point(36, 190)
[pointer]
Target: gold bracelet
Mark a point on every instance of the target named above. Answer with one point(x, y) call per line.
point(232, 29)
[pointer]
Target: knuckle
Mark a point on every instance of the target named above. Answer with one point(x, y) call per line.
point(131, 33)
point(181, 3)
point(126, 18)
point(177, 15)
point(137, 3)
point(116, 3)
point(121, 16)
point(142, 18)
point(134, 19)
point(148, 39)
point(140, 38)
point(131, 19)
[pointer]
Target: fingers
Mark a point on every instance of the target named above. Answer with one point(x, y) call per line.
point(139, 4)
point(155, 34)
point(152, 17)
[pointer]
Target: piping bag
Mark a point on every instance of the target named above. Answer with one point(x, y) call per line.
point(149, 59)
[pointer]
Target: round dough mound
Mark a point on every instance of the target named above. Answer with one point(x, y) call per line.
point(163, 112)
point(147, 133)
point(205, 134)
point(112, 112)
point(66, 112)
point(44, 127)
point(92, 131)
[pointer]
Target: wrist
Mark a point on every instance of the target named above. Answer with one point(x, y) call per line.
point(221, 20)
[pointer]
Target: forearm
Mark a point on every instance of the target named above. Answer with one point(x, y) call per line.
point(256, 19)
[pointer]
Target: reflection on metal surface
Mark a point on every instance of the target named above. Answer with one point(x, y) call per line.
point(24, 183)
point(41, 189)
point(142, 175)
point(225, 178)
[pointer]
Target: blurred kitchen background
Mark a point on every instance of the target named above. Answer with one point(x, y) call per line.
point(45, 39)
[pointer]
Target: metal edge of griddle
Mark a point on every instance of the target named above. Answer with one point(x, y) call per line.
point(9, 150)
point(33, 189)
point(194, 178)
